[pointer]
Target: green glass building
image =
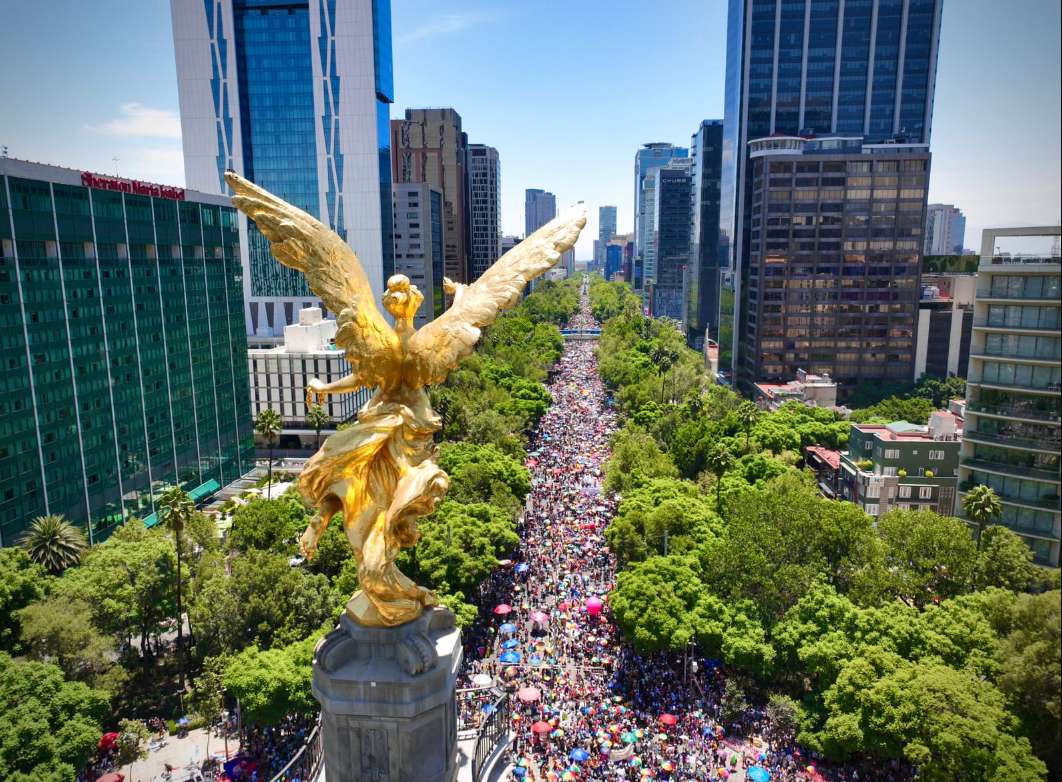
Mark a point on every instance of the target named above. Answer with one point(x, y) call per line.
point(123, 345)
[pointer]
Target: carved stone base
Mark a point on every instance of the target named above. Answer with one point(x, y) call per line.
point(388, 712)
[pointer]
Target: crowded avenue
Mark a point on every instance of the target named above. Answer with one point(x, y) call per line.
point(585, 707)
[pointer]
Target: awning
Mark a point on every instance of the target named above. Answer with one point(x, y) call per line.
point(204, 490)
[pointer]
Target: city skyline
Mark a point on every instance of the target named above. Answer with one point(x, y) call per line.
point(131, 114)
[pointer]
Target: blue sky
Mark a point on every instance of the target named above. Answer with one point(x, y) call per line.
point(566, 91)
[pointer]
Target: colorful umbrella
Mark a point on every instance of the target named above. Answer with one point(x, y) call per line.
point(758, 774)
point(107, 741)
point(540, 728)
point(512, 643)
point(507, 629)
point(522, 567)
point(509, 658)
point(503, 610)
point(667, 766)
point(539, 617)
point(482, 680)
point(668, 719)
point(579, 755)
point(114, 776)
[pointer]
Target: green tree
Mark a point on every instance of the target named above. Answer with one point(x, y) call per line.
point(269, 525)
point(317, 417)
point(60, 631)
point(175, 510)
point(53, 543)
point(207, 696)
point(664, 357)
point(657, 603)
point(636, 459)
point(928, 556)
point(21, 582)
point(982, 506)
point(733, 703)
point(1005, 560)
point(718, 461)
point(481, 473)
point(132, 742)
point(665, 512)
point(272, 684)
point(49, 727)
point(747, 413)
point(1031, 675)
point(269, 425)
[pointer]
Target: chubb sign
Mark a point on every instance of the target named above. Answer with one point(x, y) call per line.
point(88, 179)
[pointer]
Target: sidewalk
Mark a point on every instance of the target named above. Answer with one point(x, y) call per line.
point(179, 753)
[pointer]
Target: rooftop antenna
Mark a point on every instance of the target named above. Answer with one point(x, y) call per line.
point(3, 150)
point(115, 161)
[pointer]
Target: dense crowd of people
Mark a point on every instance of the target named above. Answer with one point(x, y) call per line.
point(585, 706)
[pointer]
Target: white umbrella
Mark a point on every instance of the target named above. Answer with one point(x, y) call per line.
point(482, 680)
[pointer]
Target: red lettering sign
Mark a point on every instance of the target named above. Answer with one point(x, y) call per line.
point(134, 186)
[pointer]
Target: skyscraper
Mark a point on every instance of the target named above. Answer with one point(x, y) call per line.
point(852, 68)
point(419, 244)
point(945, 230)
point(294, 95)
point(429, 146)
point(671, 240)
point(650, 156)
point(1013, 430)
point(484, 207)
point(124, 349)
point(832, 278)
point(702, 297)
point(540, 206)
point(606, 229)
point(648, 265)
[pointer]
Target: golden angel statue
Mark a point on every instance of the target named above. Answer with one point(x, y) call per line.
point(381, 472)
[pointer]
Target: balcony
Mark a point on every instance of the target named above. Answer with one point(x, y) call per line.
point(986, 323)
point(1049, 502)
point(1016, 470)
point(1006, 296)
point(1002, 411)
point(1010, 385)
point(1021, 260)
point(1040, 360)
point(1028, 443)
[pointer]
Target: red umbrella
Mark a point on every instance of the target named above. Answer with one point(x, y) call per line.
point(540, 617)
point(114, 776)
point(668, 719)
point(503, 609)
point(107, 741)
point(541, 727)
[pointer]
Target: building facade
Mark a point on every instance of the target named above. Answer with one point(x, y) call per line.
point(668, 276)
point(484, 207)
point(832, 281)
point(702, 296)
point(945, 230)
point(1013, 402)
point(294, 95)
point(429, 146)
point(945, 325)
point(279, 376)
point(606, 229)
point(419, 244)
point(124, 347)
point(861, 68)
point(901, 466)
point(649, 157)
point(540, 206)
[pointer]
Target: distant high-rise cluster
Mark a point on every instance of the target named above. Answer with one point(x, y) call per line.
point(945, 230)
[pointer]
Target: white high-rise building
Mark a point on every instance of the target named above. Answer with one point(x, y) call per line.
point(484, 213)
point(945, 230)
point(540, 206)
point(294, 95)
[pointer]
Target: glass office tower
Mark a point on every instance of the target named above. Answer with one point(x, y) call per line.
point(123, 345)
point(859, 68)
point(649, 157)
point(294, 95)
point(702, 294)
point(1013, 431)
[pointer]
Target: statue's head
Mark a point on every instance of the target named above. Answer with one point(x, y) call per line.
point(402, 298)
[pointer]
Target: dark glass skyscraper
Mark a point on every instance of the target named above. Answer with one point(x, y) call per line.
point(854, 68)
point(123, 345)
point(702, 295)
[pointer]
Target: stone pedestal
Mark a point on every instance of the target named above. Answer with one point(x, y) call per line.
point(388, 710)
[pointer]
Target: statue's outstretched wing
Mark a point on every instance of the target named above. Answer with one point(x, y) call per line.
point(439, 346)
point(331, 269)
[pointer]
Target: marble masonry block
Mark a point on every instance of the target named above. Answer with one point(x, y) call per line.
point(387, 695)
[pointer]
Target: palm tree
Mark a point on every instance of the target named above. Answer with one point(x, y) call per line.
point(175, 510)
point(53, 543)
point(269, 425)
point(718, 461)
point(747, 414)
point(664, 357)
point(317, 417)
point(982, 506)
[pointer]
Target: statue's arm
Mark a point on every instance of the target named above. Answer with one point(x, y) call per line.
point(317, 390)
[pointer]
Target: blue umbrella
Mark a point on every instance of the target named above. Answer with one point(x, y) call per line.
point(512, 643)
point(510, 658)
point(758, 774)
point(507, 629)
point(579, 755)
point(535, 659)
point(488, 708)
point(522, 567)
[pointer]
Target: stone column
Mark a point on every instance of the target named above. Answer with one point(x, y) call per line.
point(387, 695)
